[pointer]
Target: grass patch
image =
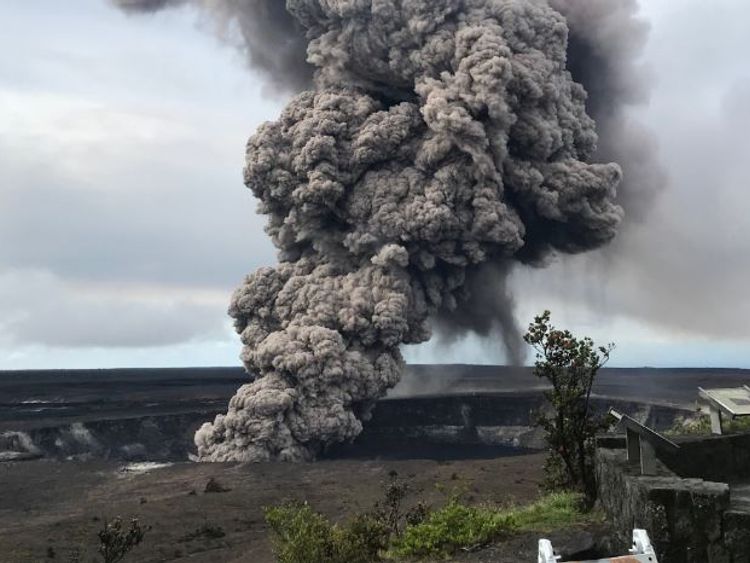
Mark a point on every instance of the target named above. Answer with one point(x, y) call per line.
point(552, 511)
point(453, 527)
point(457, 526)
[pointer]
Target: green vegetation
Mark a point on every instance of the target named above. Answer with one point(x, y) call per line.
point(302, 535)
point(452, 527)
point(115, 542)
point(570, 365)
point(552, 511)
point(458, 526)
point(700, 425)
point(391, 513)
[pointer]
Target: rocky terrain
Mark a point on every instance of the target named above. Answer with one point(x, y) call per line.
point(50, 509)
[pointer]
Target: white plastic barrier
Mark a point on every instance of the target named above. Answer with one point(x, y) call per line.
point(546, 553)
point(641, 552)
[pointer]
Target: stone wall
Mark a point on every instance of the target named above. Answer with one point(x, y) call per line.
point(715, 458)
point(689, 520)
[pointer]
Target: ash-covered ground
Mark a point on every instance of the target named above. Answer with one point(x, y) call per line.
point(57, 507)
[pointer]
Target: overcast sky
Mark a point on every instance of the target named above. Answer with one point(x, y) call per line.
point(124, 225)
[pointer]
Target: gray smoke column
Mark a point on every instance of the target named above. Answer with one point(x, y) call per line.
point(442, 142)
point(605, 41)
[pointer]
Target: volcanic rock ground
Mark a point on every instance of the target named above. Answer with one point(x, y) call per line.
point(49, 506)
point(48, 397)
point(60, 506)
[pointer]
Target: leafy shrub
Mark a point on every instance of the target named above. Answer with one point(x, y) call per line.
point(115, 542)
point(362, 540)
point(390, 510)
point(302, 535)
point(570, 365)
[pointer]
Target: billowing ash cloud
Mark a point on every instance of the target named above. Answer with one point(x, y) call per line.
point(444, 140)
point(605, 40)
point(441, 142)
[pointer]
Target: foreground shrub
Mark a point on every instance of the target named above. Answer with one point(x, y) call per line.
point(301, 535)
point(457, 526)
point(391, 530)
point(391, 512)
point(362, 540)
point(115, 542)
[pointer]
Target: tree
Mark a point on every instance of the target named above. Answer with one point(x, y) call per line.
point(570, 365)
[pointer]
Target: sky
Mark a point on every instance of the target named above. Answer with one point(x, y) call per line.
point(124, 224)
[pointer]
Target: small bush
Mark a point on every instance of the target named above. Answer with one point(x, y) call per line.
point(361, 541)
point(391, 512)
point(213, 486)
point(115, 542)
point(302, 535)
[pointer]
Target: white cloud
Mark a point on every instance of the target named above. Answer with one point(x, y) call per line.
point(40, 309)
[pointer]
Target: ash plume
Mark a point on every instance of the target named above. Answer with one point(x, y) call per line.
point(605, 40)
point(443, 141)
point(486, 309)
point(439, 143)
